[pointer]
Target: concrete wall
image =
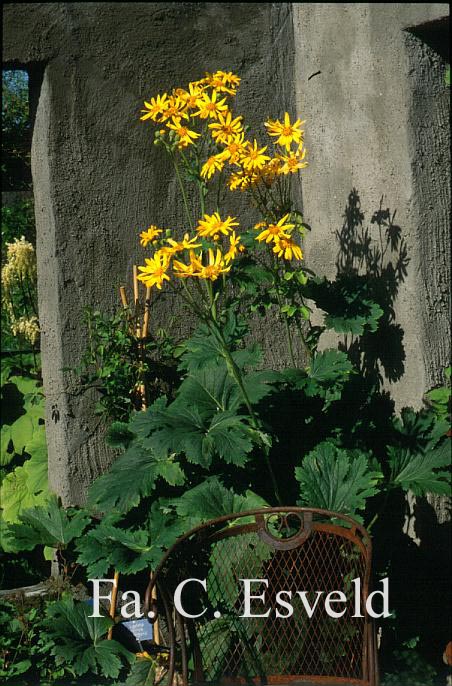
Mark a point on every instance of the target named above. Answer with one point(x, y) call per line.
point(98, 180)
point(375, 122)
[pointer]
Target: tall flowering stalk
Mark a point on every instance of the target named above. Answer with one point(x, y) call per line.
point(208, 143)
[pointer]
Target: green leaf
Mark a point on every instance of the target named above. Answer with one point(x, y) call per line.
point(142, 672)
point(330, 365)
point(359, 323)
point(336, 479)
point(347, 302)
point(80, 639)
point(115, 490)
point(48, 525)
point(109, 546)
point(423, 471)
point(185, 430)
point(119, 435)
point(327, 375)
point(26, 486)
point(212, 499)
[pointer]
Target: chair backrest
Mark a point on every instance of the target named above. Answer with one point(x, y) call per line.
point(298, 551)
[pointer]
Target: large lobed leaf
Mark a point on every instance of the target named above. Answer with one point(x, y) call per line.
point(26, 486)
point(422, 471)
point(48, 525)
point(80, 640)
point(212, 499)
point(117, 490)
point(336, 479)
point(128, 551)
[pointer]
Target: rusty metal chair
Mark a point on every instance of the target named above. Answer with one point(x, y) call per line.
point(294, 549)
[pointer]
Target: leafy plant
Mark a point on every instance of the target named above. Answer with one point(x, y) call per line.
point(23, 455)
point(335, 479)
point(439, 398)
point(117, 364)
point(26, 651)
point(223, 431)
point(410, 668)
point(80, 640)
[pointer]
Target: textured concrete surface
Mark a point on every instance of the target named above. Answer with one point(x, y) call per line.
point(97, 178)
point(375, 122)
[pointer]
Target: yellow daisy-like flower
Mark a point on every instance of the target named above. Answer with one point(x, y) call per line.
point(242, 180)
point(253, 158)
point(186, 136)
point(213, 164)
point(208, 107)
point(214, 268)
point(191, 96)
point(234, 248)
point(186, 243)
point(154, 273)
point(234, 149)
point(226, 128)
point(287, 248)
point(274, 232)
point(292, 162)
point(149, 235)
point(184, 271)
point(222, 81)
point(156, 107)
point(176, 108)
point(213, 225)
point(286, 132)
point(269, 172)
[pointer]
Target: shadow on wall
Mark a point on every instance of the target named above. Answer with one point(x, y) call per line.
point(419, 567)
point(378, 265)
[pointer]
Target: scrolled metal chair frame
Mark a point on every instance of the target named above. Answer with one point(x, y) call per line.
point(312, 520)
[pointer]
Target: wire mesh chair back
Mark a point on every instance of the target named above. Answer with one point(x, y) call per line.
point(293, 550)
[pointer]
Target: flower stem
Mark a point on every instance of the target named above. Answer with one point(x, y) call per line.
point(184, 196)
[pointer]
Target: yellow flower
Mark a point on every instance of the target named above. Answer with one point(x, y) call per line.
point(293, 161)
point(274, 232)
point(224, 130)
point(191, 96)
point(269, 172)
point(253, 158)
point(214, 268)
point(287, 133)
point(183, 271)
point(186, 137)
point(213, 225)
point(222, 81)
point(176, 107)
point(287, 248)
point(177, 246)
point(214, 163)
point(234, 247)
point(234, 149)
point(156, 107)
point(149, 235)
point(154, 273)
point(242, 180)
point(209, 107)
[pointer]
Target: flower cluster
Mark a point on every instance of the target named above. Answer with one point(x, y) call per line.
point(21, 262)
point(199, 125)
point(185, 259)
point(28, 327)
point(19, 275)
